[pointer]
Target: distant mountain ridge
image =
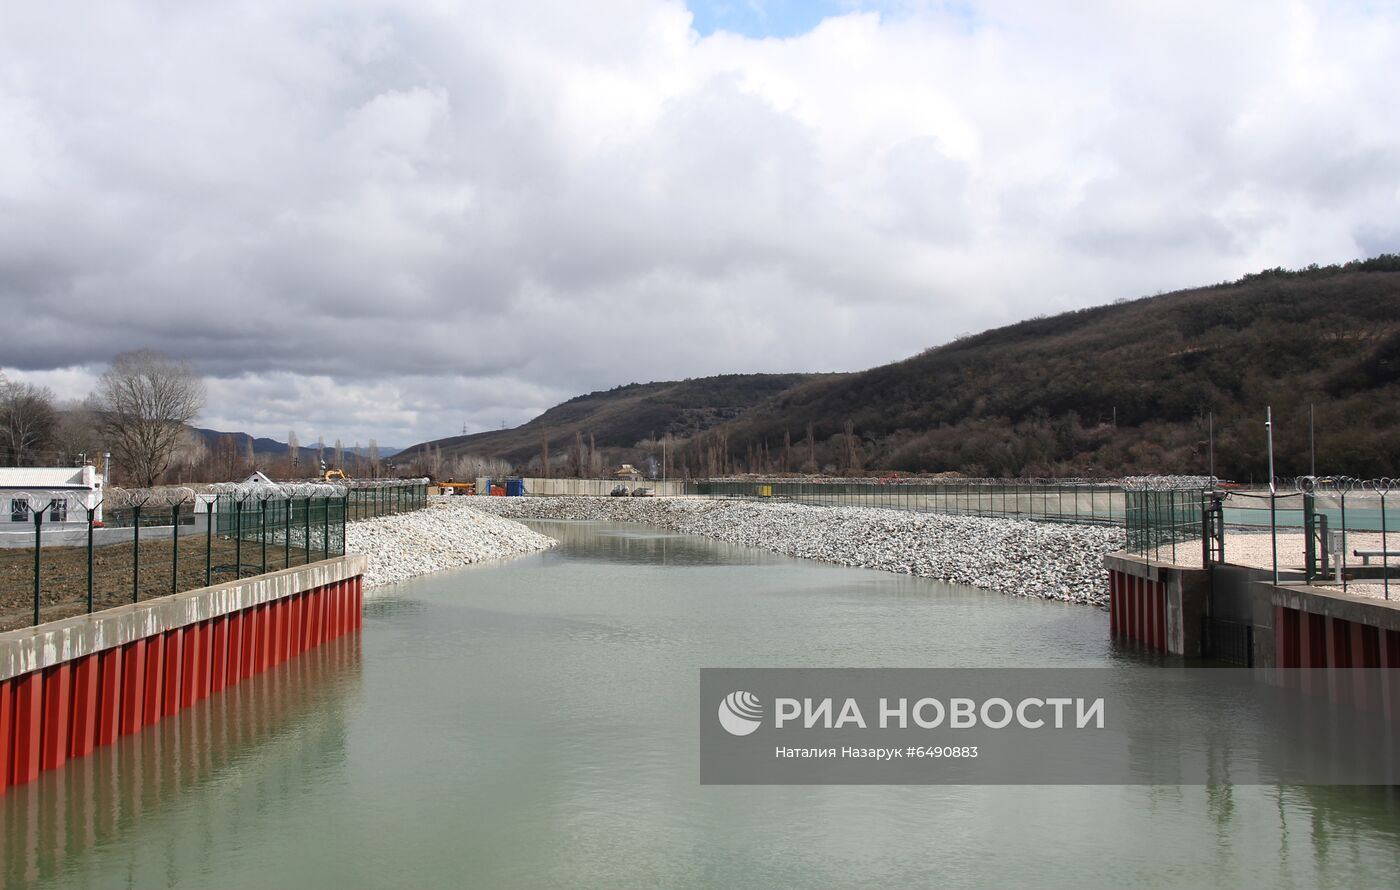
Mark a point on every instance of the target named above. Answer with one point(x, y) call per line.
point(619, 418)
point(271, 447)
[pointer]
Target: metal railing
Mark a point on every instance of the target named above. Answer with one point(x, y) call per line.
point(64, 554)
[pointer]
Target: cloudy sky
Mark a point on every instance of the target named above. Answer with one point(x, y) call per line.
point(391, 219)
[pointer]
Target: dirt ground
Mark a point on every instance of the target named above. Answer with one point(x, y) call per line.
point(63, 574)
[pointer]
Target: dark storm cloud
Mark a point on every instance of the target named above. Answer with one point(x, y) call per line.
point(390, 220)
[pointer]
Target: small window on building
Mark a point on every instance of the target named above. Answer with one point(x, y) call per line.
point(19, 510)
point(58, 511)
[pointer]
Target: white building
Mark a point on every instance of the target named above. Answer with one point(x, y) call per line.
point(66, 492)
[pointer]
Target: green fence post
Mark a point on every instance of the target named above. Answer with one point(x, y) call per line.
point(38, 548)
point(238, 537)
point(326, 529)
point(262, 531)
point(174, 547)
point(1385, 546)
point(136, 554)
point(209, 540)
point(306, 529)
point(91, 513)
point(1174, 525)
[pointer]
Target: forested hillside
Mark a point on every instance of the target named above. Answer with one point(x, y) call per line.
point(1132, 387)
point(1128, 388)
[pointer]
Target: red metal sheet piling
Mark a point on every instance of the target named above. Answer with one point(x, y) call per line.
point(109, 695)
point(65, 710)
point(152, 699)
point(133, 693)
point(28, 696)
point(57, 710)
point(83, 725)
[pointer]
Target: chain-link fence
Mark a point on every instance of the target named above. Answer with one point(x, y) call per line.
point(365, 500)
point(1323, 530)
point(1098, 503)
point(63, 554)
point(1169, 525)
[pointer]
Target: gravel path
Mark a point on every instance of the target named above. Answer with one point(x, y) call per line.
point(1254, 547)
point(444, 535)
point(1019, 557)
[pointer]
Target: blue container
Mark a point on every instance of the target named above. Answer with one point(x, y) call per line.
point(515, 488)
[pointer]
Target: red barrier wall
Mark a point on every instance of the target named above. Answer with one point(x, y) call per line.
point(1309, 640)
point(66, 710)
point(1137, 609)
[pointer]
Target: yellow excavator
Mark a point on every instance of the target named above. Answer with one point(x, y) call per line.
point(334, 474)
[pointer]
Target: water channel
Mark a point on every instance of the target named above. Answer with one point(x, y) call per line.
point(533, 724)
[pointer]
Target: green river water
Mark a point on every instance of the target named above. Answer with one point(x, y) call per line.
point(533, 724)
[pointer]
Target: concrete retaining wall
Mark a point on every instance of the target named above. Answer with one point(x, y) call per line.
point(1294, 625)
point(70, 686)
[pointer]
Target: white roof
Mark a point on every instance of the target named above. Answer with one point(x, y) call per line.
point(43, 477)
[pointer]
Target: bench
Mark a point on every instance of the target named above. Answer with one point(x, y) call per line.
point(1379, 554)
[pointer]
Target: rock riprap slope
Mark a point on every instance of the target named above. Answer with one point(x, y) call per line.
point(444, 535)
point(1036, 559)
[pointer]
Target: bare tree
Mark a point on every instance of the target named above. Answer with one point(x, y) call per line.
point(188, 456)
point(595, 460)
point(428, 462)
point(143, 403)
point(470, 466)
point(226, 462)
point(77, 435)
point(293, 453)
point(28, 423)
point(250, 455)
point(339, 455)
point(374, 458)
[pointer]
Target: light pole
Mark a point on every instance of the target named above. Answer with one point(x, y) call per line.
point(1273, 489)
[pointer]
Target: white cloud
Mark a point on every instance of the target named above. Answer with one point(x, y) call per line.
point(390, 219)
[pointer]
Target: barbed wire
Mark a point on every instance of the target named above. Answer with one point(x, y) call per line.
point(1168, 483)
point(1344, 484)
point(166, 496)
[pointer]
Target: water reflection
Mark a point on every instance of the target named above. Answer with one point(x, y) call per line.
point(223, 741)
point(533, 724)
point(631, 544)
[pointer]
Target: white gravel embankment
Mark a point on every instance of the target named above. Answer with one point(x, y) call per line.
point(1019, 557)
point(444, 535)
